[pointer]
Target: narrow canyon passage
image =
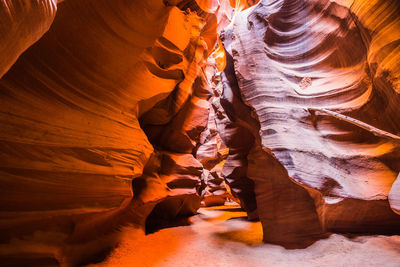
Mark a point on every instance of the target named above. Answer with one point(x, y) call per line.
point(222, 236)
point(130, 128)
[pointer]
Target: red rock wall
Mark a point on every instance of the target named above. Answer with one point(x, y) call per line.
point(70, 138)
point(131, 112)
point(22, 23)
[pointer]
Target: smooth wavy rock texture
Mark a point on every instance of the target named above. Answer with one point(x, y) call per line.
point(22, 23)
point(130, 113)
point(321, 80)
point(70, 138)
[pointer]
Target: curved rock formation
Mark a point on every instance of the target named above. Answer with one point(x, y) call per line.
point(131, 112)
point(70, 137)
point(320, 78)
point(22, 23)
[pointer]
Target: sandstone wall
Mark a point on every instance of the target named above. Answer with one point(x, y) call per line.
point(320, 81)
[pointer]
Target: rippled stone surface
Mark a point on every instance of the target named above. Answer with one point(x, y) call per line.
point(320, 79)
point(117, 113)
point(76, 163)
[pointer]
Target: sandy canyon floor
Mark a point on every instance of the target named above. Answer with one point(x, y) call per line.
point(221, 236)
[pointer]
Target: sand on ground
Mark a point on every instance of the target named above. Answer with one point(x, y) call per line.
point(222, 236)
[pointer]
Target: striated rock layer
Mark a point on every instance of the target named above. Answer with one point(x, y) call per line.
point(320, 81)
point(76, 164)
point(116, 113)
point(22, 23)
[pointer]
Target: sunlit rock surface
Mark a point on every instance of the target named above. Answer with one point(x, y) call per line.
point(116, 113)
point(212, 153)
point(76, 164)
point(321, 80)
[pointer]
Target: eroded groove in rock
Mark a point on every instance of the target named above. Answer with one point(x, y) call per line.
point(22, 23)
point(70, 137)
point(237, 129)
point(293, 55)
point(286, 210)
point(212, 153)
point(132, 112)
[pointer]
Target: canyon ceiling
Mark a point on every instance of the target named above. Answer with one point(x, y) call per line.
point(116, 113)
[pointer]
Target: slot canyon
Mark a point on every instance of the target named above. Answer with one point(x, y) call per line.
point(199, 133)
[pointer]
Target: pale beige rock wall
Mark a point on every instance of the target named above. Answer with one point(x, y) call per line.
point(293, 60)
